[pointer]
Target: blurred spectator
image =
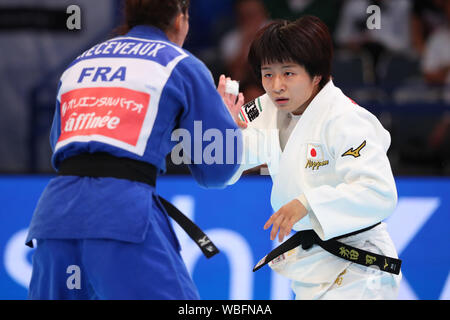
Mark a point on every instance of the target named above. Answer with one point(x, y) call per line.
point(34, 49)
point(436, 69)
point(204, 16)
point(440, 135)
point(326, 10)
point(394, 35)
point(425, 18)
point(436, 58)
point(251, 15)
point(439, 144)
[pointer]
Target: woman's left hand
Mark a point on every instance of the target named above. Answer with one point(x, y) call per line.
point(233, 103)
point(285, 218)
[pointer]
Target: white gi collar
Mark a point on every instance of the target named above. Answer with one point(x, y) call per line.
point(322, 99)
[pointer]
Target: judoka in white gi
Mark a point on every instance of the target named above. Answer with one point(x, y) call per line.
point(327, 159)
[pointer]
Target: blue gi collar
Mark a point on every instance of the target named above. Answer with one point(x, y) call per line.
point(148, 32)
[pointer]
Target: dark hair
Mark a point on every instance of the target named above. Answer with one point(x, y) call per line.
point(305, 41)
point(157, 13)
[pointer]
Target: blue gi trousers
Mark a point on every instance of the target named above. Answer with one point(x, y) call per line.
point(112, 269)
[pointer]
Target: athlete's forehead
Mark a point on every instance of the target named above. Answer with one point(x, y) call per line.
point(279, 65)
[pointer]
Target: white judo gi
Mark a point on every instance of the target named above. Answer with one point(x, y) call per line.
point(335, 163)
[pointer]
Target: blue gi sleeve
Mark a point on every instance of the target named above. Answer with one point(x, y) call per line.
point(215, 144)
point(55, 131)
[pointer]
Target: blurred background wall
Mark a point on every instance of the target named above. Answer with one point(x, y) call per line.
point(399, 72)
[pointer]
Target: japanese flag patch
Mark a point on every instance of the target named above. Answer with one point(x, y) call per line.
point(314, 152)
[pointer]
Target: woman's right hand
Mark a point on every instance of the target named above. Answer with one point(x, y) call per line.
point(234, 103)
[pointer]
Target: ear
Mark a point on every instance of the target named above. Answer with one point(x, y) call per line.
point(177, 23)
point(316, 80)
point(175, 31)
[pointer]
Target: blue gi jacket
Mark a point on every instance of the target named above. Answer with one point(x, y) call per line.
point(125, 97)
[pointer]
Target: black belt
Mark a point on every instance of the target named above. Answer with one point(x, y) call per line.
point(308, 238)
point(105, 165)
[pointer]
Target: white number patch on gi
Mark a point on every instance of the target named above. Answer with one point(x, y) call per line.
point(116, 103)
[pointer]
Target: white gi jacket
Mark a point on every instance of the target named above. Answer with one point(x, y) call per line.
point(335, 158)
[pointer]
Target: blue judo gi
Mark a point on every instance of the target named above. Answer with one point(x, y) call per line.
point(124, 97)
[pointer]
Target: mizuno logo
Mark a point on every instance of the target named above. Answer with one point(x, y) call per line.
point(203, 241)
point(355, 153)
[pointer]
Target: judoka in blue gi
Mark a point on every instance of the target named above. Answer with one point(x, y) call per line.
point(123, 98)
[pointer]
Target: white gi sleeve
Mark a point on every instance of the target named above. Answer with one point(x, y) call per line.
point(366, 193)
point(304, 202)
point(252, 155)
point(256, 137)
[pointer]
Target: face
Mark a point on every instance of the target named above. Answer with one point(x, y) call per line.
point(289, 86)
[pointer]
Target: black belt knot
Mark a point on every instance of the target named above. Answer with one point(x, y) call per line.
point(308, 239)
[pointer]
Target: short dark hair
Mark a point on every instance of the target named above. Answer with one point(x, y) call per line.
point(157, 13)
point(305, 41)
